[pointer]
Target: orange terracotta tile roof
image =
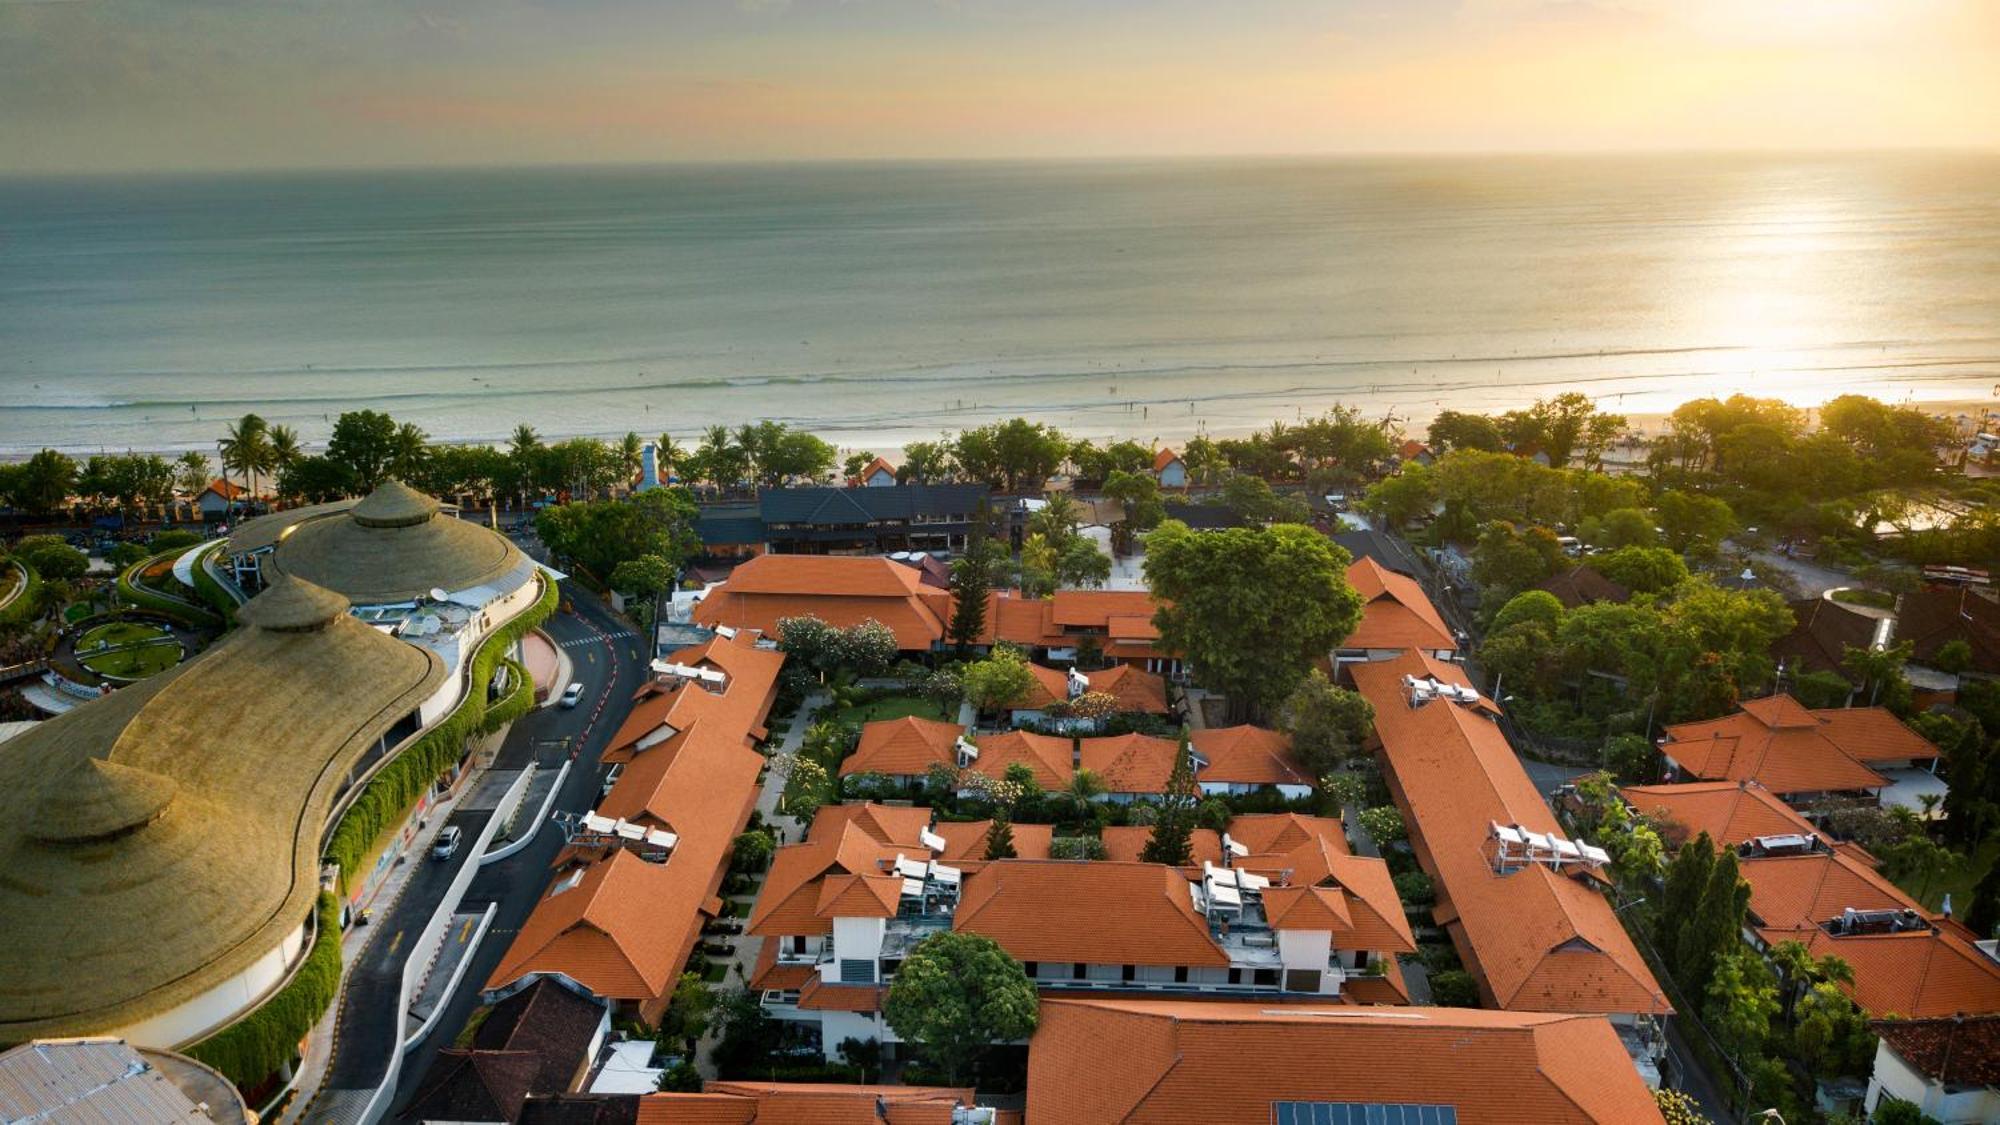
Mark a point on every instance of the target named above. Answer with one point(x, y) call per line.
point(1168, 1062)
point(664, 705)
point(790, 900)
point(859, 896)
point(802, 1103)
point(1047, 688)
point(1290, 847)
point(965, 840)
point(1395, 613)
point(819, 996)
point(1094, 609)
point(1789, 749)
point(1538, 940)
point(1135, 689)
point(878, 465)
point(1129, 763)
point(767, 973)
point(626, 926)
point(1731, 812)
point(1105, 913)
point(888, 824)
point(841, 590)
point(903, 747)
point(1164, 458)
point(1790, 892)
point(1247, 755)
point(1049, 756)
point(225, 488)
point(1124, 842)
point(1029, 622)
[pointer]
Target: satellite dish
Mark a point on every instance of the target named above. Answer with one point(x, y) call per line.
point(438, 595)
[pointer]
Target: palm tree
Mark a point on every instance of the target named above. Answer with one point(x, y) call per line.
point(668, 456)
point(631, 456)
point(749, 451)
point(525, 451)
point(1085, 786)
point(717, 452)
point(285, 448)
point(246, 447)
point(407, 455)
point(191, 472)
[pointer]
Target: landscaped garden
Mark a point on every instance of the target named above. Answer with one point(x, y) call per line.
point(127, 650)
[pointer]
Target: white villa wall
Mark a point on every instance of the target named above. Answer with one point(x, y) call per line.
point(1895, 1078)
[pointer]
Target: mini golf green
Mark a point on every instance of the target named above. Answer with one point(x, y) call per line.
point(137, 650)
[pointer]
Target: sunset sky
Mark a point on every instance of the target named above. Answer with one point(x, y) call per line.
point(173, 84)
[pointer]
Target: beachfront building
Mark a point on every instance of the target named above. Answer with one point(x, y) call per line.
point(1396, 617)
point(1523, 905)
point(1802, 755)
point(842, 591)
point(828, 520)
point(214, 503)
point(1161, 1061)
point(163, 844)
point(879, 474)
point(1169, 469)
point(641, 875)
point(408, 567)
point(1305, 921)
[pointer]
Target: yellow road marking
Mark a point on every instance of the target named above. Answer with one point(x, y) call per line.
point(465, 931)
point(395, 943)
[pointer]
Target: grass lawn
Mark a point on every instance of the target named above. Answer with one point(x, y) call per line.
point(1853, 595)
point(890, 707)
point(717, 973)
point(156, 650)
point(736, 908)
point(1959, 880)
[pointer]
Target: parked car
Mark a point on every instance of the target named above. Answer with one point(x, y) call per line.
point(446, 845)
point(573, 694)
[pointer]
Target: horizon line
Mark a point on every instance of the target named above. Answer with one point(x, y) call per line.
point(1333, 155)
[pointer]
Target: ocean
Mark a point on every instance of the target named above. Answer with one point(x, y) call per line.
point(881, 303)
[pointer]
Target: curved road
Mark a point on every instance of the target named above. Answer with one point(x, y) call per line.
point(610, 661)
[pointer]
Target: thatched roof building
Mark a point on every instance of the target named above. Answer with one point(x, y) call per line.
point(394, 545)
point(160, 847)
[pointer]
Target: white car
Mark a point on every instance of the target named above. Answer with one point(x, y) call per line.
point(572, 695)
point(446, 844)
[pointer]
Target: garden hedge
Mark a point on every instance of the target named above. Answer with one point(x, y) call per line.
point(256, 1046)
point(145, 597)
point(28, 604)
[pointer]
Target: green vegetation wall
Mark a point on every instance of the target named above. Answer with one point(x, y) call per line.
point(253, 1048)
point(390, 795)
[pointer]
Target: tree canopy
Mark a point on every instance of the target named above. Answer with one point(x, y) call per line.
point(1252, 609)
point(956, 994)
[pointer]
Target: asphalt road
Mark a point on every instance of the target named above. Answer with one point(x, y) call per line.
point(611, 667)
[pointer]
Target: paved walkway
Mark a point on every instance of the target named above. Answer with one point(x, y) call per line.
point(748, 947)
point(1812, 578)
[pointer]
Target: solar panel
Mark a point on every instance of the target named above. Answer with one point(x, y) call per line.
point(1361, 1113)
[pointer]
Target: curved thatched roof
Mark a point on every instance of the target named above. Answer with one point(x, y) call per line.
point(156, 842)
point(393, 546)
point(293, 605)
point(259, 532)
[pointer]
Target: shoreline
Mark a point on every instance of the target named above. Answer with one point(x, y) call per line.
point(1413, 423)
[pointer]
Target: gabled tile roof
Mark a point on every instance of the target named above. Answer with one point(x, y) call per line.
point(749, 691)
point(858, 896)
point(1731, 812)
point(841, 590)
point(1047, 687)
point(1929, 971)
point(1051, 758)
point(789, 902)
point(1103, 912)
point(1164, 458)
point(1124, 842)
point(1583, 585)
point(903, 747)
point(965, 840)
point(1536, 939)
point(474, 1086)
point(1822, 632)
point(1954, 1051)
point(1789, 749)
point(625, 927)
point(877, 466)
point(1094, 609)
point(1395, 613)
point(1135, 689)
point(1174, 1062)
point(803, 1103)
point(1931, 619)
point(1129, 763)
point(548, 1020)
point(1247, 755)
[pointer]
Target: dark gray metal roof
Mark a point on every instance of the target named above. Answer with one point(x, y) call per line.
point(832, 506)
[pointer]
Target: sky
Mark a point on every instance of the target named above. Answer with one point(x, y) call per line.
point(135, 85)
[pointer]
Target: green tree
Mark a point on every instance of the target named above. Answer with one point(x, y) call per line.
point(44, 482)
point(1454, 988)
point(1000, 838)
point(1982, 914)
point(925, 462)
point(1716, 925)
point(1328, 725)
point(1000, 679)
point(680, 1078)
point(1404, 498)
point(1686, 882)
point(956, 994)
point(246, 447)
point(1171, 842)
point(1081, 566)
point(1694, 524)
point(1252, 609)
point(1077, 847)
point(315, 480)
point(1532, 607)
point(647, 576)
point(597, 535)
point(365, 443)
point(1739, 1001)
point(1384, 824)
point(1508, 560)
point(1643, 570)
point(1632, 758)
point(972, 585)
point(1626, 527)
point(1011, 456)
point(1831, 1035)
point(1453, 429)
point(688, 1012)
